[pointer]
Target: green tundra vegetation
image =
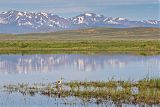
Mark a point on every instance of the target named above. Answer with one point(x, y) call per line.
point(99, 39)
point(146, 91)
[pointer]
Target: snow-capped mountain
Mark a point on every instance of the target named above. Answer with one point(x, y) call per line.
point(28, 22)
point(154, 22)
point(31, 22)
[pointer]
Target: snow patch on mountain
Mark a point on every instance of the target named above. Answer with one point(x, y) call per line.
point(20, 14)
point(4, 12)
point(112, 22)
point(80, 20)
point(88, 14)
point(42, 22)
point(120, 19)
point(152, 22)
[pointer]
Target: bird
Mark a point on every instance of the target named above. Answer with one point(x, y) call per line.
point(59, 86)
point(59, 83)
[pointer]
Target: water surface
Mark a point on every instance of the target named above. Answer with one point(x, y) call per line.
point(47, 68)
point(44, 68)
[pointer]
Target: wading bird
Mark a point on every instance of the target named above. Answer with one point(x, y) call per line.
point(59, 86)
point(59, 82)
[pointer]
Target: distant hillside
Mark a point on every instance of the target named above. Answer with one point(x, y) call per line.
point(30, 22)
point(90, 34)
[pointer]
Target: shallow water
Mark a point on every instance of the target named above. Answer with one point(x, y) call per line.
point(44, 68)
point(18, 100)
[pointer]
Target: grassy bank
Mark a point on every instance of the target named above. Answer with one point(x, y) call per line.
point(95, 40)
point(145, 91)
point(103, 46)
point(114, 45)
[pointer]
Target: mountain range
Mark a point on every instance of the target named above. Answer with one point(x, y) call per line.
point(30, 22)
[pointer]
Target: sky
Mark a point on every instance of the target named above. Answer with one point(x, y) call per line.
point(131, 9)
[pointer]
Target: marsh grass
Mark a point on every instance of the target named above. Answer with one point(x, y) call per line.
point(146, 91)
point(143, 41)
point(85, 45)
point(152, 47)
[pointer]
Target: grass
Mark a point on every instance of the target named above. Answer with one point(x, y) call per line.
point(133, 40)
point(146, 91)
point(90, 34)
point(103, 46)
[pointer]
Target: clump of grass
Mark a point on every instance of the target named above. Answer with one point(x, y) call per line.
point(145, 91)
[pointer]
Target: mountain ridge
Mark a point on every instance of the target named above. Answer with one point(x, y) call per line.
point(33, 22)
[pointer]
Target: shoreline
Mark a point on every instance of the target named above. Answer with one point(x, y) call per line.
point(141, 47)
point(146, 91)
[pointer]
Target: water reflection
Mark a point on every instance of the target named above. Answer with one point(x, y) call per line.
point(18, 100)
point(48, 63)
point(77, 67)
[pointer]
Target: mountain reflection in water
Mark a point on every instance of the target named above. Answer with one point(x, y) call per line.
point(48, 63)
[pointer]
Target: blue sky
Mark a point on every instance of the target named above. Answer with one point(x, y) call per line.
point(131, 9)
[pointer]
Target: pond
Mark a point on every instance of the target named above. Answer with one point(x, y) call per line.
point(48, 68)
